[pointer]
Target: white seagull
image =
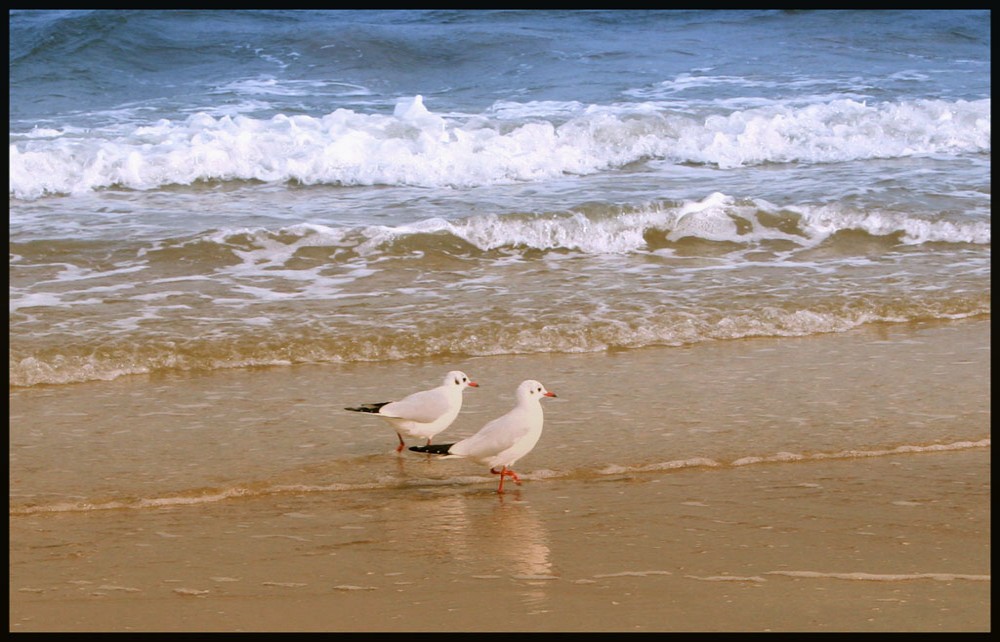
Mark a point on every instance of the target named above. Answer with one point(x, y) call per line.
point(501, 442)
point(426, 413)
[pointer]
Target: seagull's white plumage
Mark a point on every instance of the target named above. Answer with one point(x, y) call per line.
point(426, 413)
point(501, 442)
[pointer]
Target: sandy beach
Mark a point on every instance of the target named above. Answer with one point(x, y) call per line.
point(746, 550)
point(894, 542)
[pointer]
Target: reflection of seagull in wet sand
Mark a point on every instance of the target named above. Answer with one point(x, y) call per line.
point(426, 413)
point(501, 442)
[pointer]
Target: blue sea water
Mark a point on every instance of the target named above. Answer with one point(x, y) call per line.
point(196, 190)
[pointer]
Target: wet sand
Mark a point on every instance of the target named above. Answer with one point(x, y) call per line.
point(751, 549)
point(889, 543)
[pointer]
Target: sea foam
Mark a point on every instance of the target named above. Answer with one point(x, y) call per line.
point(415, 146)
point(717, 217)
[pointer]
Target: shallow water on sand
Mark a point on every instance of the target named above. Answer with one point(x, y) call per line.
point(161, 440)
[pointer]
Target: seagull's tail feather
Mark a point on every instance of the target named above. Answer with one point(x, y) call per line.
point(369, 407)
point(433, 449)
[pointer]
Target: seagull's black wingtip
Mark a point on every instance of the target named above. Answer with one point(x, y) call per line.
point(368, 407)
point(433, 449)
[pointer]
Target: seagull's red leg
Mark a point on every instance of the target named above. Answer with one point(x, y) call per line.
point(500, 472)
point(401, 445)
point(505, 472)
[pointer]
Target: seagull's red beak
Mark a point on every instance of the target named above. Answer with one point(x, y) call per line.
point(549, 394)
point(473, 384)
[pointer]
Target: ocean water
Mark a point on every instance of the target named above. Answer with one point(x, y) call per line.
point(198, 190)
point(205, 192)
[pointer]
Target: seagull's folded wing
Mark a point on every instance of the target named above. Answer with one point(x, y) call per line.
point(495, 437)
point(422, 407)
